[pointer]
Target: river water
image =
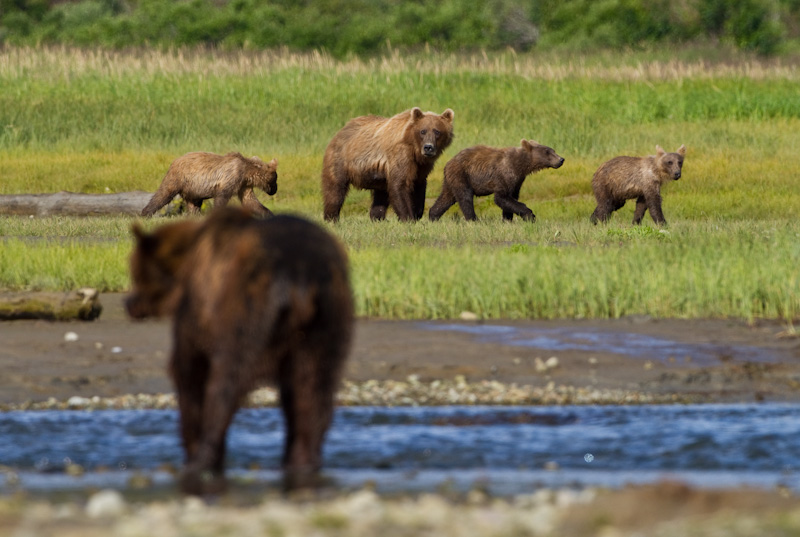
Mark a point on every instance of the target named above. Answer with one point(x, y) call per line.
point(504, 450)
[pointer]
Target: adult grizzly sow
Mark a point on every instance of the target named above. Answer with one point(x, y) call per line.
point(640, 178)
point(199, 176)
point(254, 301)
point(481, 170)
point(390, 156)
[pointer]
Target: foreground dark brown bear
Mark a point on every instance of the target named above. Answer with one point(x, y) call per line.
point(200, 176)
point(640, 178)
point(483, 170)
point(390, 156)
point(254, 302)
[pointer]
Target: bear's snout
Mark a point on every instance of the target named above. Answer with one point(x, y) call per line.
point(559, 163)
point(429, 150)
point(677, 175)
point(271, 189)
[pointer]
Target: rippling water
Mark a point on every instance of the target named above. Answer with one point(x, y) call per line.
point(506, 449)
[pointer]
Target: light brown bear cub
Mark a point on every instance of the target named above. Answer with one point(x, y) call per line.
point(640, 178)
point(390, 156)
point(481, 170)
point(200, 176)
point(254, 301)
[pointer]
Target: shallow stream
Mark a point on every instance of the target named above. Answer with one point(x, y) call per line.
point(504, 450)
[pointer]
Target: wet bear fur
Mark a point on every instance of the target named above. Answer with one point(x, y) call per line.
point(640, 178)
point(200, 176)
point(390, 156)
point(254, 302)
point(483, 170)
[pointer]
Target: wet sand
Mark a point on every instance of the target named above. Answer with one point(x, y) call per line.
point(697, 360)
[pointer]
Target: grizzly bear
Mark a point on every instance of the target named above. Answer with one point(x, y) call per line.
point(390, 156)
point(254, 301)
point(640, 178)
point(199, 176)
point(481, 170)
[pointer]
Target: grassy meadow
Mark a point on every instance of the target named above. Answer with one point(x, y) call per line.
point(100, 121)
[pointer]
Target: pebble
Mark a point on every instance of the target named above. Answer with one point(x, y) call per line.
point(107, 503)
point(70, 336)
point(411, 392)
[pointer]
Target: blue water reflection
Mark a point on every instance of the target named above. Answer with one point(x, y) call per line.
point(754, 442)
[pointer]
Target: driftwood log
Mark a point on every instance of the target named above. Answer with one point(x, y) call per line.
point(83, 304)
point(74, 204)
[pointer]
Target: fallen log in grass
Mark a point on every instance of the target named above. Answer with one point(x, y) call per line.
point(74, 204)
point(83, 304)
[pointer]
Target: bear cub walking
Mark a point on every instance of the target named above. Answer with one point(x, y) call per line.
point(640, 178)
point(254, 302)
point(481, 170)
point(390, 156)
point(200, 176)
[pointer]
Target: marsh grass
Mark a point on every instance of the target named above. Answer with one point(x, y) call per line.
point(99, 121)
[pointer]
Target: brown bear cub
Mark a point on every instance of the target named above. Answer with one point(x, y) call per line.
point(390, 156)
point(254, 301)
point(199, 176)
point(640, 178)
point(482, 170)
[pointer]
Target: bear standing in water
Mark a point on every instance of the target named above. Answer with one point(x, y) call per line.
point(390, 156)
point(200, 176)
point(640, 178)
point(254, 302)
point(481, 170)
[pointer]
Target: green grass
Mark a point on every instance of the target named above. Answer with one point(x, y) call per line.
point(97, 121)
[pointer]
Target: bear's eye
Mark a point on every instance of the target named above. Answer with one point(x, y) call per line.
point(669, 162)
point(436, 133)
point(423, 132)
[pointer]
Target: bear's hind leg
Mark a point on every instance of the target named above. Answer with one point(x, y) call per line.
point(334, 190)
point(161, 197)
point(638, 213)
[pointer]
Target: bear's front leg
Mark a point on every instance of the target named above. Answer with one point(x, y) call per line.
point(401, 202)
point(654, 206)
point(510, 206)
point(380, 202)
point(418, 197)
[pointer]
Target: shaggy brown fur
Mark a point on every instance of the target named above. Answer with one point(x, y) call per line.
point(254, 302)
point(482, 170)
point(639, 178)
point(390, 156)
point(199, 176)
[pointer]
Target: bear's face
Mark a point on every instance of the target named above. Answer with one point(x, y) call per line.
point(265, 175)
point(541, 155)
point(432, 133)
point(670, 164)
point(156, 264)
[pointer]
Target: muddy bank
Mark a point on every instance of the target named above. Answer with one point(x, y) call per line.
point(697, 360)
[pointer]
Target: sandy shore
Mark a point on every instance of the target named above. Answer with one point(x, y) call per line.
point(652, 360)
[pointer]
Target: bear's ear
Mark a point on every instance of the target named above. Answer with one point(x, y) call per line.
point(525, 144)
point(448, 115)
point(681, 150)
point(417, 114)
point(659, 150)
point(273, 163)
point(144, 240)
